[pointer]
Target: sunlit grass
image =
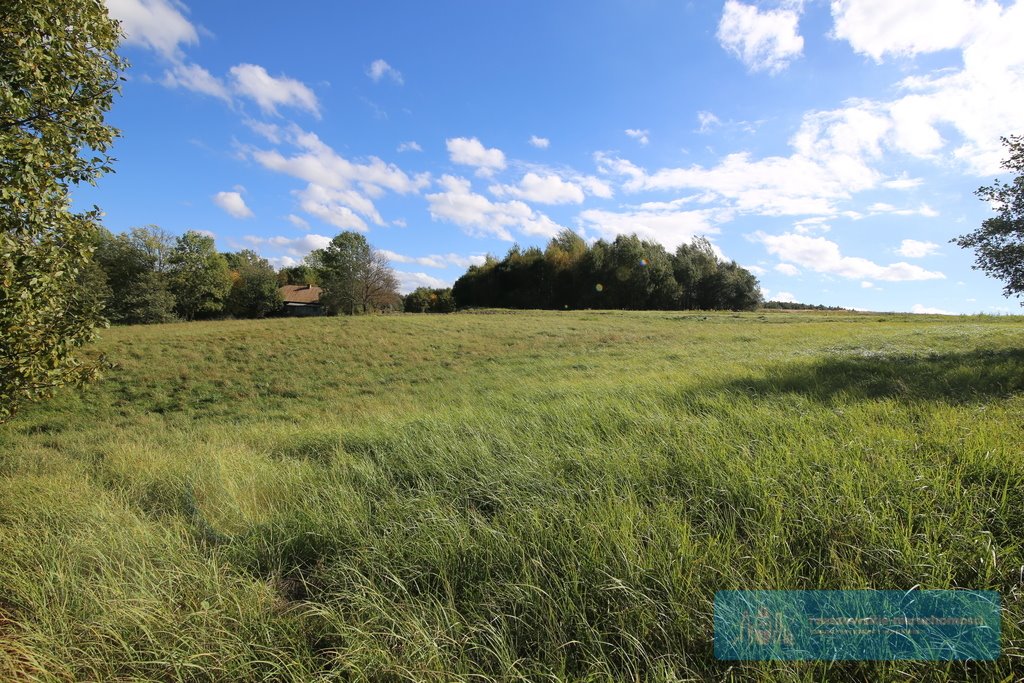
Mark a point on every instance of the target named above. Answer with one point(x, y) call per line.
point(506, 495)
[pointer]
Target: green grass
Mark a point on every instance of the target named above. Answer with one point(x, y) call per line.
point(517, 496)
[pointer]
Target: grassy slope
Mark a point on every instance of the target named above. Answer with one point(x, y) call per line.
point(527, 494)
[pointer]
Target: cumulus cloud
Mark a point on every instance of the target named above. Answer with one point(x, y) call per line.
point(539, 142)
point(641, 136)
point(666, 224)
point(197, 79)
point(410, 146)
point(380, 69)
point(335, 206)
point(823, 256)
point(909, 27)
point(340, 191)
point(917, 249)
point(471, 152)
point(785, 297)
point(546, 189)
point(439, 261)
point(787, 269)
point(407, 282)
point(979, 102)
point(296, 247)
point(155, 24)
point(270, 92)
point(763, 40)
point(478, 215)
point(233, 204)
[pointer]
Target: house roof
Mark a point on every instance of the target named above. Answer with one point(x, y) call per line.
point(300, 294)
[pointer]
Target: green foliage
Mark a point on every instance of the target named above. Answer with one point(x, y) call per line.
point(254, 289)
point(200, 279)
point(58, 75)
point(510, 496)
point(427, 300)
point(136, 265)
point(354, 277)
point(627, 273)
point(999, 242)
point(301, 274)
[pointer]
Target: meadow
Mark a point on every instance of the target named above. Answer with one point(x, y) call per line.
point(497, 495)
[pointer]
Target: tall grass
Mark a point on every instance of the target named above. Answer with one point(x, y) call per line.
point(528, 496)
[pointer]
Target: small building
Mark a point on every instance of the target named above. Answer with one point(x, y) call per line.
point(301, 300)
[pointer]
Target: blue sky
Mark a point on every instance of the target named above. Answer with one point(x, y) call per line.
point(831, 147)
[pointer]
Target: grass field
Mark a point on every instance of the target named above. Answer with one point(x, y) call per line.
point(519, 496)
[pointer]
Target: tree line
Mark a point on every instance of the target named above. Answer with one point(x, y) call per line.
point(147, 275)
point(627, 273)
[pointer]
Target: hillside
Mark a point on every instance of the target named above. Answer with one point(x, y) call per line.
point(517, 495)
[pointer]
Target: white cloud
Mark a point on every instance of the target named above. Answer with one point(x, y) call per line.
point(641, 136)
point(764, 41)
point(917, 249)
point(882, 207)
point(380, 69)
point(668, 226)
point(787, 269)
point(270, 92)
point(708, 121)
point(810, 226)
point(823, 256)
point(471, 152)
point(335, 206)
point(595, 186)
point(197, 79)
point(410, 146)
point(774, 186)
point(830, 162)
point(785, 297)
point(540, 143)
point(435, 260)
point(318, 163)
point(296, 247)
point(547, 189)
point(283, 261)
point(298, 221)
point(908, 27)
point(407, 282)
point(867, 285)
point(979, 102)
point(155, 24)
point(233, 204)
point(756, 270)
point(339, 190)
point(271, 132)
point(903, 182)
point(207, 233)
point(919, 308)
point(458, 204)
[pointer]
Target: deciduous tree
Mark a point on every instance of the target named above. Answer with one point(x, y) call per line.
point(59, 72)
point(199, 277)
point(999, 243)
point(254, 290)
point(354, 277)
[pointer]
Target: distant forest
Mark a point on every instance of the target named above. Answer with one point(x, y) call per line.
point(627, 273)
